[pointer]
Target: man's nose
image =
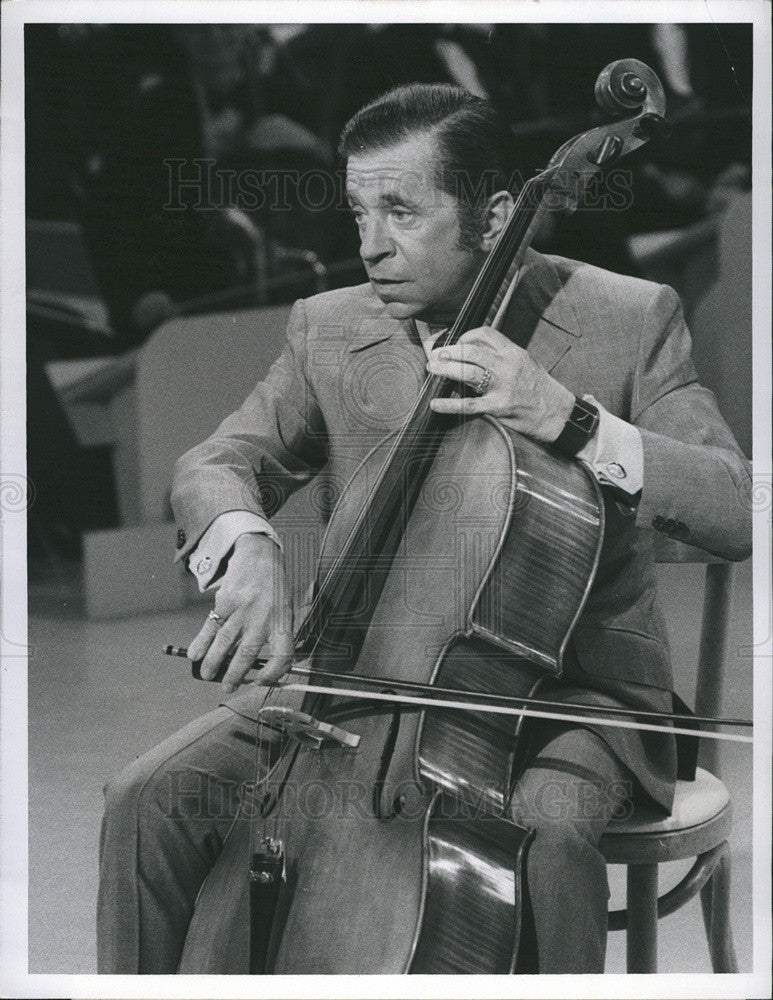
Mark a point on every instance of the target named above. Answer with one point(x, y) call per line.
point(375, 243)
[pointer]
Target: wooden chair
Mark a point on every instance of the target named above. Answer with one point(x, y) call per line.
point(699, 824)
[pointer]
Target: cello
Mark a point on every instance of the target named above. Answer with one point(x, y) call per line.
point(459, 557)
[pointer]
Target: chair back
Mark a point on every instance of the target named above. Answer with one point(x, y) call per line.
point(712, 645)
point(191, 373)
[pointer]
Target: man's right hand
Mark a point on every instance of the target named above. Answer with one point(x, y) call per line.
point(254, 607)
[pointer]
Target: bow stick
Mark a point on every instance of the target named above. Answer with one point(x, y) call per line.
point(425, 695)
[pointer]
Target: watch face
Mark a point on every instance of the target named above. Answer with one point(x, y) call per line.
point(584, 416)
point(579, 428)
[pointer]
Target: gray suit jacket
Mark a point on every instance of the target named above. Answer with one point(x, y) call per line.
point(349, 374)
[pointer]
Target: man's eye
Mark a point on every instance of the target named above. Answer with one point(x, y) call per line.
point(402, 214)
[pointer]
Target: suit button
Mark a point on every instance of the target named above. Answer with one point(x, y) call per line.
point(680, 531)
point(616, 470)
point(658, 522)
point(180, 538)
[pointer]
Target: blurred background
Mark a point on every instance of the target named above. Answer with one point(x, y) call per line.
point(188, 170)
point(180, 195)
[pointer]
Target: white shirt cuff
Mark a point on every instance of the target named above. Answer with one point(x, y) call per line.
point(615, 453)
point(218, 540)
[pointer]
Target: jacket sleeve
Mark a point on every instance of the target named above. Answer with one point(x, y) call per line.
point(696, 481)
point(272, 445)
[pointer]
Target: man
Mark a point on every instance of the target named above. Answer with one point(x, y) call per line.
point(576, 342)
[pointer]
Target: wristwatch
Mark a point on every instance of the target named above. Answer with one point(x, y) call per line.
point(579, 428)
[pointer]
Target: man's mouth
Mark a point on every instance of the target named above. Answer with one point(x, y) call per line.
point(387, 281)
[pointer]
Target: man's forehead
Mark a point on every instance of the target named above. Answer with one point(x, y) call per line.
point(386, 179)
point(407, 166)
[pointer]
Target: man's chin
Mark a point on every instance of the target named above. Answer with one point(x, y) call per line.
point(403, 310)
point(399, 309)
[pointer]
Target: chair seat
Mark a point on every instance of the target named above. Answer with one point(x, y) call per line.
point(700, 819)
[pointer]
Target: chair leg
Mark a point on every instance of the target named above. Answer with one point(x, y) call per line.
point(642, 930)
point(715, 901)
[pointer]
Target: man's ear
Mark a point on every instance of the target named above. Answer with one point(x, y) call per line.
point(497, 212)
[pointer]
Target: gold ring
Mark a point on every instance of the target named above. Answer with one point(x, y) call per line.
point(213, 616)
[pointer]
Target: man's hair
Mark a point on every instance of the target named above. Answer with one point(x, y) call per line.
point(473, 142)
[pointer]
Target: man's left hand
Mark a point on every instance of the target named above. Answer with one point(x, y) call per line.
point(519, 390)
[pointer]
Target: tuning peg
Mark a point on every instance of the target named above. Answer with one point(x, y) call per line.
point(652, 126)
point(608, 150)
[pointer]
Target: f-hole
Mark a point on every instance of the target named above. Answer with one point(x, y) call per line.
point(380, 809)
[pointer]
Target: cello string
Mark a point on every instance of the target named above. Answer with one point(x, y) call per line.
point(262, 789)
point(513, 234)
point(257, 781)
point(506, 254)
point(508, 250)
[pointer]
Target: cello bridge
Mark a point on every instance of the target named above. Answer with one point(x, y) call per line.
point(306, 729)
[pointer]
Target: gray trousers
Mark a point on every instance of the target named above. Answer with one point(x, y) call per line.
point(168, 814)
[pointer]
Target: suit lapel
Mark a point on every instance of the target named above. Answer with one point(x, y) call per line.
point(369, 337)
point(373, 325)
point(378, 327)
point(541, 318)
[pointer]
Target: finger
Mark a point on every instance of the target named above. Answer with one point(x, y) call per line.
point(282, 652)
point(486, 335)
point(490, 344)
point(243, 660)
point(471, 353)
point(281, 640)
point(198, 648)
point(221, 646)
point(456, 371)
point(484, 338)
point(465, 405)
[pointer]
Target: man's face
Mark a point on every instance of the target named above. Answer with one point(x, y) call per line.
point(409, 231)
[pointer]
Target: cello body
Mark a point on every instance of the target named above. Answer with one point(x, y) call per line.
point(400, 854)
